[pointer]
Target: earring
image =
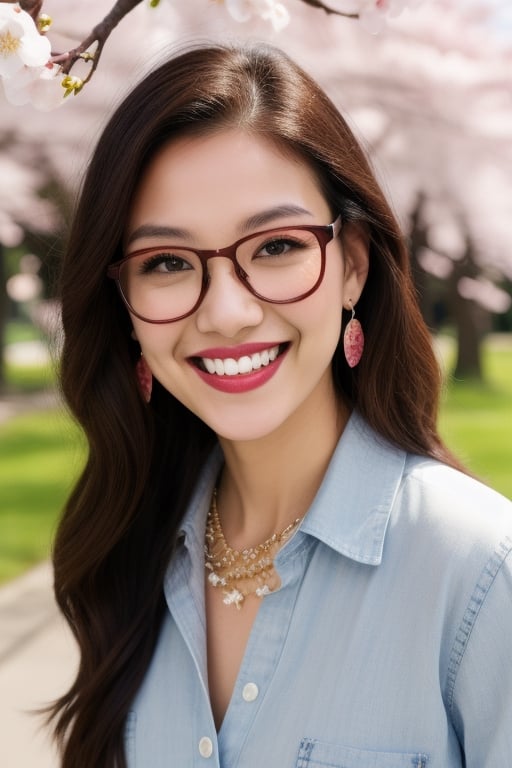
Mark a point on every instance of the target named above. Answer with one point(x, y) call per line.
point(144, 378)
point(353, 340)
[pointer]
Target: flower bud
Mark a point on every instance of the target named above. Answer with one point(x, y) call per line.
point(72, 84)
point(44, 23)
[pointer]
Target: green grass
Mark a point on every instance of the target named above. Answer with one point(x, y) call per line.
point(476, 419)
point(22, 330)
point(40, 457)
point(29, 378)
point(21, 377)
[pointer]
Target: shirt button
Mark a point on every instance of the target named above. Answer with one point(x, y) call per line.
point(205, 747)
point(250, 692)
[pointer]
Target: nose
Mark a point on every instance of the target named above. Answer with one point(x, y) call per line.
point(228, 307)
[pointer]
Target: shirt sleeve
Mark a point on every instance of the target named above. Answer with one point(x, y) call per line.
point(480, 670)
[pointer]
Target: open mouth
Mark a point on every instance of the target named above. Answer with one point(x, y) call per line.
point(240, 366)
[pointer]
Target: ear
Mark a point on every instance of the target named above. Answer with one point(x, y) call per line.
point(356, 247)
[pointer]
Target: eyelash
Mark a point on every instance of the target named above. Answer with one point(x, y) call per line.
point(149, 264)
point(153, 261)
point(281, 241)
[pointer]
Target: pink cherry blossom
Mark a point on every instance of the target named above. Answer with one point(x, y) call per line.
point(374, 13)
point(268, 10)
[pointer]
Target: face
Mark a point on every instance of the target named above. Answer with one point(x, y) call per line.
point(211, 191)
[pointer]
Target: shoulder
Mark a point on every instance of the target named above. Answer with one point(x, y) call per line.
point(461, 525)
point(460, 532)
point(453, 499)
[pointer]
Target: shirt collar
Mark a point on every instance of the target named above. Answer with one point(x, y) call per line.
point(193, 523)
point(351, 509)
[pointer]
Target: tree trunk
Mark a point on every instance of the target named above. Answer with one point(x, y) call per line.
point(418, 240)
point(469, 321)
point(469, 340)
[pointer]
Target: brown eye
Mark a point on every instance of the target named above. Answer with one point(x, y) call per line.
point(165, 263)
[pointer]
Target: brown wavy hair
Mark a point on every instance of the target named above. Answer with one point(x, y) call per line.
point(118, 530)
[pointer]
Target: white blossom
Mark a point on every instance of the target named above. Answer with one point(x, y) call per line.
point(373, 13)
point(39, 86)
point(268, 10)
point(20, 42)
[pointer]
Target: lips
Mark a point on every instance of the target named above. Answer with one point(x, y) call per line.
point(238, 369)
point(231, 366)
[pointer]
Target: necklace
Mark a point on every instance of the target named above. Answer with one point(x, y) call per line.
point(249, 572)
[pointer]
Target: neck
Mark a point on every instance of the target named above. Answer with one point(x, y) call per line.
point(268, 483)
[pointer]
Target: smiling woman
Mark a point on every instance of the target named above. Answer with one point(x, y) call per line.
point(269, 527)
point(276, 294)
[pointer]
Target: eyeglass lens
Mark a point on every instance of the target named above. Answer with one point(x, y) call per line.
point(166, 283)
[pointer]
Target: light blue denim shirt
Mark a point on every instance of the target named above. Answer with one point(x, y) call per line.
point(388, 644)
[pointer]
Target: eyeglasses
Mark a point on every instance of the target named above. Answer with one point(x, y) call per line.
point(167, 283)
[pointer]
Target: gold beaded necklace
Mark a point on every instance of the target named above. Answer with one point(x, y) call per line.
point(249, 572)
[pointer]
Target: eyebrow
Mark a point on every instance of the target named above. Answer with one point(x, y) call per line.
point(254, 222)
point(157, 230)
point(271, 215)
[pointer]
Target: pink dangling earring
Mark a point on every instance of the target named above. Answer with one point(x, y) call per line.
point(353, 340)
point(144, 378)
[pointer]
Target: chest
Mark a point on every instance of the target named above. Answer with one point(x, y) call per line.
point(290, 694)
point(325, 663)
point(228, 630)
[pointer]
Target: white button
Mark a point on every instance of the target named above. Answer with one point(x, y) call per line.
point(250, 692)
point(205, 747)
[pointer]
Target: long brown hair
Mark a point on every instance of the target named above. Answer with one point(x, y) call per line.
point(118, 530)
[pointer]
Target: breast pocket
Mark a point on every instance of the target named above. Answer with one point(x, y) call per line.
point(320, 754)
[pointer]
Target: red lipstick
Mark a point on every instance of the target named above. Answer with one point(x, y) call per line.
point(242, 382)
point(236, 352)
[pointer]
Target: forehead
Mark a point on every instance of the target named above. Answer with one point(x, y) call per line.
point(230, 172)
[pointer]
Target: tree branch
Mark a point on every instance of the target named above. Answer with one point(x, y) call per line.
point(32, 7)
point(319, 4)
point(99, 35)
point(101, 32)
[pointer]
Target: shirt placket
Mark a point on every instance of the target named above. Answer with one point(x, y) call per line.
point(183, 592)
point(262, 654)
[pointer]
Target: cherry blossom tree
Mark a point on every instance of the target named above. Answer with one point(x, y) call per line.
point(428, 95)
point(32, 71)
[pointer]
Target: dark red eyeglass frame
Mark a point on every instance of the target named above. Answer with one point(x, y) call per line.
point(323, 233)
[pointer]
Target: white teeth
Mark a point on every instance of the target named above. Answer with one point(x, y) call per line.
point(230, 367)
point(245, 364)
point(219, 366)
point(256, 361)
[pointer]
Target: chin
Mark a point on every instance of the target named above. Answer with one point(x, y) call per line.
point(242, 429)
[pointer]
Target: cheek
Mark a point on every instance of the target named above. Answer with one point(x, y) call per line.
point(326, 304)
point(322, 322)
point(157, 342)
point(318, 322)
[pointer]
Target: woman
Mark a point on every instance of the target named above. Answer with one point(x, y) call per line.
point(271, 559)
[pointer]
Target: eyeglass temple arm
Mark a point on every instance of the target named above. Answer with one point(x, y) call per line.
point(336, 226)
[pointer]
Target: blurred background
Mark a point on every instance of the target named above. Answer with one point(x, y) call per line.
point(431, 100)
